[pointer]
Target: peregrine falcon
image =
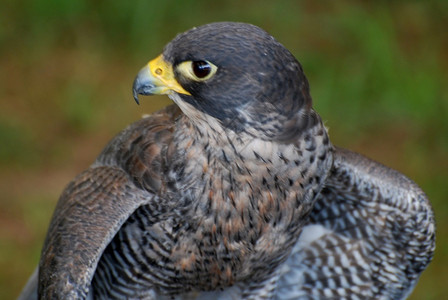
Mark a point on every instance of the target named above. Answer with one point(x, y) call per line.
point(234, 192)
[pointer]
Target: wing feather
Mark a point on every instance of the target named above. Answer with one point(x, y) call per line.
point(95, 205)
point(370, 235)
point(90, 212)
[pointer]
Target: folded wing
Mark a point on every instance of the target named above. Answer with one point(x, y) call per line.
point(370, 235)
point(95, 205)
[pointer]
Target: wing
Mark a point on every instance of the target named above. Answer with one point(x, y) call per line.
point(370, 235)
point(89, 213)
point(94, 206)
point(92, 209)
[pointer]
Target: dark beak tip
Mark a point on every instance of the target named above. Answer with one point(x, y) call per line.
point(143, 85)
point(136, 97)
point(135, 89)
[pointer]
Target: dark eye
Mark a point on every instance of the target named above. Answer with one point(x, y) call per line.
point(201, 68)
point(197, 70)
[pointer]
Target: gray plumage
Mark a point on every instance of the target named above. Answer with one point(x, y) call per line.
point(370, 235)
point(236, 192)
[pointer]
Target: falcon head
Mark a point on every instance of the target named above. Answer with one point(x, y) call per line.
point(236, 73)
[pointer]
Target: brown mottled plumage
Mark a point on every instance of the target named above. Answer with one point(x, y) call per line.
point(233, 193)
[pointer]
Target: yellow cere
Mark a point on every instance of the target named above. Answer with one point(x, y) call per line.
point(163, 71)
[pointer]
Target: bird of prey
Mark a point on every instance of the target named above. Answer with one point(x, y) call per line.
point(234, 192)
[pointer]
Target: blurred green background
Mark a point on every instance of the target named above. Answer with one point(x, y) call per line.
point(377, 70)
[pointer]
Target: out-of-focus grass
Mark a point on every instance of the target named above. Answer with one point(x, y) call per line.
point(377, 70)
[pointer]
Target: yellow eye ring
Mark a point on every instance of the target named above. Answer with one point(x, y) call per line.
point(197, 70)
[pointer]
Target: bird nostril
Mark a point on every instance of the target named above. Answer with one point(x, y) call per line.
point(158, 71)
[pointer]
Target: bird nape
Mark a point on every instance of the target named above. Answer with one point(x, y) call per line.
point(233, 192)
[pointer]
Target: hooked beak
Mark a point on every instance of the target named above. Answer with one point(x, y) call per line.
point(156, 78)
